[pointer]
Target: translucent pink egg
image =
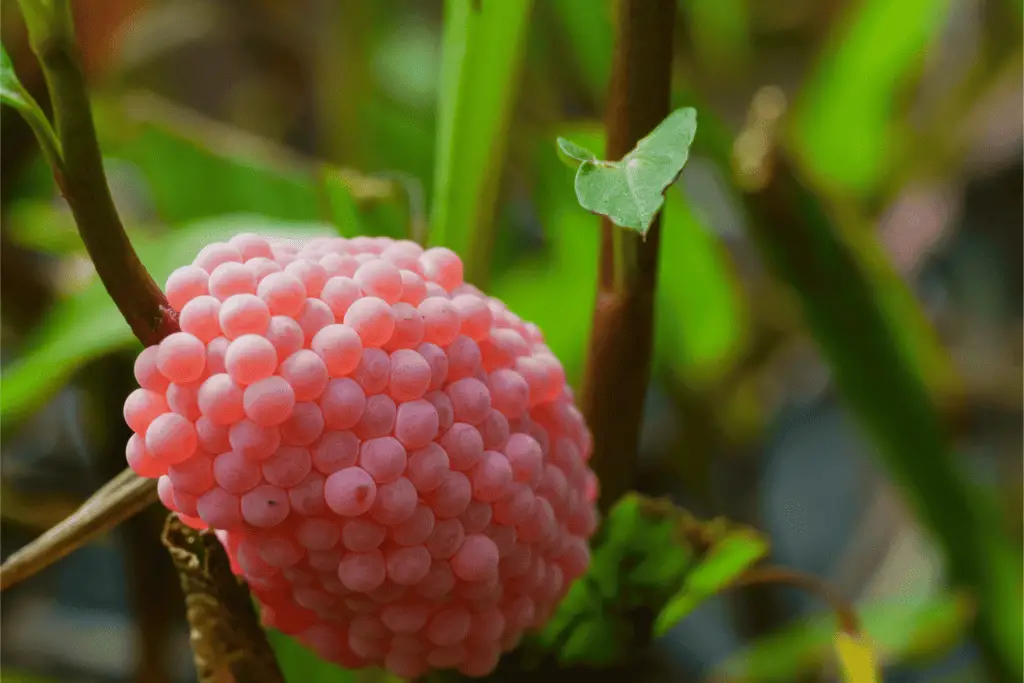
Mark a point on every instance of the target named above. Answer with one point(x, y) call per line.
point(441, 320)
point(372, 319)
point(243, 314)
point(184, 284)
point(307, 374)
point(200, 317)
point(339, 347)
point(213, 255)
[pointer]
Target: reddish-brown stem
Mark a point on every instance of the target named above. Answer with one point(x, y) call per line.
point(845, 613)
point(619, 360)
point(83, 183)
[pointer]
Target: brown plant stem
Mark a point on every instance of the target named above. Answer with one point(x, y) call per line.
point(119, 499)
point(227, 641)
point(83, 181)
point(153, 593)
point(845, 613)
point(619, 359)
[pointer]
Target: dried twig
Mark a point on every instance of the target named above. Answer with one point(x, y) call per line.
point(119, 499)
point(227, 641)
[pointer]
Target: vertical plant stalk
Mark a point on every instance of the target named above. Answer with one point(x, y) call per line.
point(83, 181)
point(619, 358)
point(227, 641)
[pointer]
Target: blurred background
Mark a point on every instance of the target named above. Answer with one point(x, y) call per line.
point(905, 117)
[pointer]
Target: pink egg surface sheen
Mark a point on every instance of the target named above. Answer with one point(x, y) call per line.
point(391, 458)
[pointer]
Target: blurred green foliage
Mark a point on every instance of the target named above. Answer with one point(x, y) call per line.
point(899, 630)
point(844, 126)
point(501, 198)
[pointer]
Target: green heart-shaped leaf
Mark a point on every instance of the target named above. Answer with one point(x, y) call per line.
point(632, 191)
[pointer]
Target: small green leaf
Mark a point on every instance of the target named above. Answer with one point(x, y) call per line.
point(631, 191)
point(641, 556)
point(14, 94)
point(574, 152)
point(726, 561)
point(88, 324)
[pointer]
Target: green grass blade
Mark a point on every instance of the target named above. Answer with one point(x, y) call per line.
point(482, 52)
point(842, 125)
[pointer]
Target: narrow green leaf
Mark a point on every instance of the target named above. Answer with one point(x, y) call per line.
point(843, 123)
point(567, 264)
point(480, 63)
point(726, 561)
point(88, 324)
point(11, 90)
point(899, 630)
point(574, 152)
point(631, 191)
point(197, 169)
point(14, 94)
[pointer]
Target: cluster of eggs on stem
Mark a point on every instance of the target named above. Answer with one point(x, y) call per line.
point(391, 458)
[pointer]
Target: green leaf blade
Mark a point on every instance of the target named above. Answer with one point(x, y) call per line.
point(14, 94)
point(726, 561)
point(842, 126)
point(883, 384)
point(482, 55)
point(197, 169)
